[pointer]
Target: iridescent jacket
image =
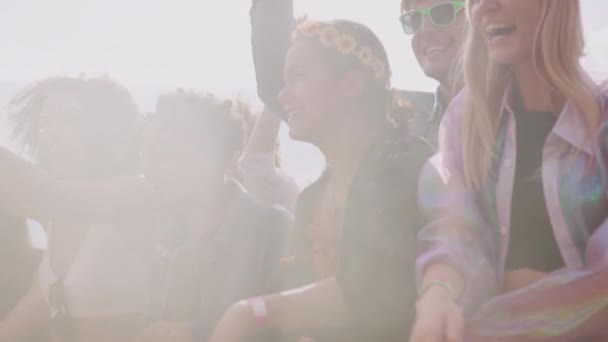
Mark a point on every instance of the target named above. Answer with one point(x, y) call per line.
point(470, 230)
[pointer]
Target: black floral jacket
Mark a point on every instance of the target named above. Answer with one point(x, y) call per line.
point(378, 244)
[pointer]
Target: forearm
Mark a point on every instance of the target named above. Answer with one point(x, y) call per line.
point(567, 303)
point(456, 233)
point(518, 279)
point(593, 329)
point(30, 192)
point(306, 309)
point(261, 177)
point(564, 305)
point(28, 317)
point(263, 138)
point(311, 307)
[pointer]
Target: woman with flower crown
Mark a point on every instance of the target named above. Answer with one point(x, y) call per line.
point(350, 260)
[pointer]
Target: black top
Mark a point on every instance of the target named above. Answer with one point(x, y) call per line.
point(532, 242)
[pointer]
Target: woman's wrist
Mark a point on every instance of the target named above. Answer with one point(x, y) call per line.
point(242, 314)
point(235, 325)
point(259, 311)
point(445, 278)
point(252, 314)
point(444, 285)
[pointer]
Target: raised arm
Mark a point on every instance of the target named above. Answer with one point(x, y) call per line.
point(261, 176)
point(271, 25)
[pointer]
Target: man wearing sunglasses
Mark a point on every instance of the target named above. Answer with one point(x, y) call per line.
point(437, 30)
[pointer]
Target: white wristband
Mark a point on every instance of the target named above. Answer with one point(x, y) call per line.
point(259, 310)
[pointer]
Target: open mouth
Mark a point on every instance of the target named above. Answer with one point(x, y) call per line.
point(434, 50)
point(499, 30)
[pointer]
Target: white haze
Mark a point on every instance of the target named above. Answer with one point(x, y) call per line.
point(153, 46)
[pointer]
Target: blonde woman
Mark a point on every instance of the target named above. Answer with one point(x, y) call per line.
point(517, 195)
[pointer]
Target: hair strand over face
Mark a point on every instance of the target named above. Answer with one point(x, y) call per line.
point(558, 47)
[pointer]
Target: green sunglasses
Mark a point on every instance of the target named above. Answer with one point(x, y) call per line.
point(441, 15)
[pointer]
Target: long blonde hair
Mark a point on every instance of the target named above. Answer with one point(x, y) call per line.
point(558, 47)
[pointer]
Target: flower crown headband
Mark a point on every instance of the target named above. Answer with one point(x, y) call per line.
point(343, 43)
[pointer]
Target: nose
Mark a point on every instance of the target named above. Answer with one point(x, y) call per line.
point(481, 8)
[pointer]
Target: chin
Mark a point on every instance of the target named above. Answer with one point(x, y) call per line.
point(506, 56)
point(295, 135)
point(503, 59)
point(437, 71)
point(298, 135)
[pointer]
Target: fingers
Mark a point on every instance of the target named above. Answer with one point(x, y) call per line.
point(438, 322)
point(424, 334)
point(428, 328)
point(417, 334)
point(454, 326)
point(305, 339)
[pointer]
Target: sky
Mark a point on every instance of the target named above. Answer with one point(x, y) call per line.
point(152, 46)
point(198, 43)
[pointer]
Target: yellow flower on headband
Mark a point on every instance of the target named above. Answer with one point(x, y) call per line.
point(329, 36)
point(310, 27)
point(346, 44)
point(379, 68)
point(366, 56)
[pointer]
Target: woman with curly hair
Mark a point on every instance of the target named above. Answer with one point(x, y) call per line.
point(92, 275)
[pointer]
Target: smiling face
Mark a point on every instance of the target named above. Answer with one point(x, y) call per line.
point(310, 94)
point(508, 28)
point(436, 48)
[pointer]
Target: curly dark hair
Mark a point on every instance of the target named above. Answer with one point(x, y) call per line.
point(219, 123)
point(107, 115)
